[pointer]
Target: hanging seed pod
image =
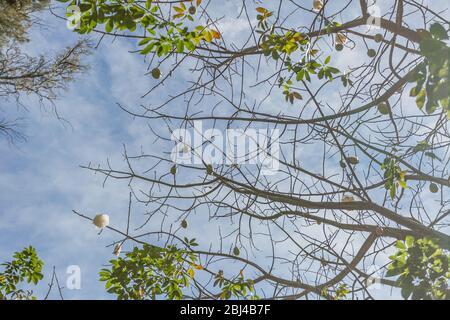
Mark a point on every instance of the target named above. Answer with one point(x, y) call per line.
point(342, 164)
point(378, 37)
point(192, 10)
point(434, 188)
point(353, 160)
point(236, 251)
point(184, 224)
point(371, 53)
point(384, 108)
point(156, 73)
point(209, 169)
point(101, 220)
point(173, 170)
point(341, 38)
point(339, 47)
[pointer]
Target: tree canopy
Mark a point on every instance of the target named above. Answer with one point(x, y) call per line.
point(362, 105)
point(21, 75)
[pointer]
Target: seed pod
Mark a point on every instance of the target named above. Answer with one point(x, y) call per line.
point(184, 224)
point(342, 164)
point(209, 169)
point(384, 108)
point(353, 160)
point(236, 251)
point(192, 10)
point(371, 53)
point(341, 38)
point(101, 220)
point(434, 188)
point(378, 37)
point(156, 73)
point(173, 170)
point(339, 47)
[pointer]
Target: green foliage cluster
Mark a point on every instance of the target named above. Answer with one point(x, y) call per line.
point(26, 266)
point(339, 292)
point(236, 288)
point(426, 148)
point(393, 175)
point(422, 268)
point(432, 78)
point(151, 272)
point(282, 46)
point(162, 36)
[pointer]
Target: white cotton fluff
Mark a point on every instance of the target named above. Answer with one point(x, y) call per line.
point(101, 220)
point(317, 5)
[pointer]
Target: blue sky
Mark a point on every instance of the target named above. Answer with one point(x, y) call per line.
point(41, 181)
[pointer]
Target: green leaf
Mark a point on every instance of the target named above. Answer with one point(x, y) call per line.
point(432, 156)
point(189, 45)
point(438, 31)
point(109, 25)
point(409, 240)
point(429, 47)
point(400, 245)
point(407, 290)
point(180, 46)
point(430, 106)
point(392, 191)
point(393, 272)
point(402, 183)
point(333, 70)
point(420, 99)
point(148, 48)
point(144, 41)
point(191, 273)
